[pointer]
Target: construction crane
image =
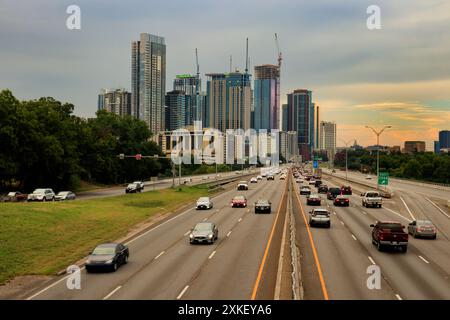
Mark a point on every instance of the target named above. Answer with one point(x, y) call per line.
point(246, 56)
point(279, 52)
point(196, 62)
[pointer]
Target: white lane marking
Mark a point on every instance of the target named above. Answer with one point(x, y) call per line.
point(212, 255)
point(112, 292)
point(437, 207)
point(205, 219)
point(342, 222)
point(363, 212)
point(240, 219)
point(424, 259)
point(187, 233)
point(182, 292)
point(159, 255)
point(397, 214)
point(334, 212)
point(51, 286)
point(398, 297)
point(228, 234)
point(371, 260)
point(354, 238)
point(407, 208)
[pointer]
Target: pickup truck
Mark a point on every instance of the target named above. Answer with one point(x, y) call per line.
point(389, 234)
point(371, 199)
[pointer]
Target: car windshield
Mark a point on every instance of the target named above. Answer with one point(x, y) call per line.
point(242, 182)
point(335, 190)
point(203, 227)
point(39, 191)
point(11, 194)
point(104, 250)
point(424, 223)
point(321, 212)
point(63, 193)
point(262, 203)
point(240, 198)
point(132, 185)
point(372, 195)
point(203, 199)
point(314, 196)
point(396, 227)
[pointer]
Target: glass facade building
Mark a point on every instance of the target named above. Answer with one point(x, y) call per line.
point(266, 97)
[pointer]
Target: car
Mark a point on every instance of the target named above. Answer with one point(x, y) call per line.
point(107, 256)
point(239, 201)
point(263, 206)
point(422, 228)
point(140, 185)
point(317, 183)
point(389, 234)
point(371, 199)
point(346, 190)
point(320, 217)
point(283, 177)
point(312, 182)
point(305, 190)
point(242, 185)
point(298, 180)
point(204, 203)
point(323, 188)
point(270, 177)
point(65, 195)
point(341, 200)
point(259, 177)
point(254, 180)
point(15, 196)
point(204, 232)
point(132, 188)
point(369, 177)
point(41, 194)
point(313, 200)
point(333, 193)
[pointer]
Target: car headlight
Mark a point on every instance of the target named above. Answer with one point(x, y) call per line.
point(191, 236)
point(210, 235)
point(88, 261)
point(110, 261)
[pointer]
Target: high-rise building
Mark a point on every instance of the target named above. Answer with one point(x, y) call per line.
point(284, 117)
point(301, 111)
point(267, 97)
point(191, 85)
point(327, 138)
point(414, 146)
point(148, 80)
point(317, 127)
point(444, 139)
point(175, 110)
point(116, 101)
point(437, 147)
point(228, 101)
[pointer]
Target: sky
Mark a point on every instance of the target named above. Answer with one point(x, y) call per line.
point(398, 75)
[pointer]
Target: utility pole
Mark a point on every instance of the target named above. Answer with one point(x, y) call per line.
point(378, 133)
point(346, 158)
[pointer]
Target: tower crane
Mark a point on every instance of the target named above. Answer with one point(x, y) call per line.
point(280, 58)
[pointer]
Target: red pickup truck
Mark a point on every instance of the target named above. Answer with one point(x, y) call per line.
point(389, 234)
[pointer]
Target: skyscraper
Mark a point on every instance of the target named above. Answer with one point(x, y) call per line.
point(148, 80)
point(228, 101)
point(414, 146)
point(175, 110)
point(116, 101)
point(267, 97)
point(327, 138)
point(444, 139)
point(284, 118)
point(301, 111)
point(191, 86)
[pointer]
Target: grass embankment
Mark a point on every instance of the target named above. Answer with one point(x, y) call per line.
point(43, 238)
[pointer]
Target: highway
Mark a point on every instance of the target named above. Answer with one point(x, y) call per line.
point(163, 265)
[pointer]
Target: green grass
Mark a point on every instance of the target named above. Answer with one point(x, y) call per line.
point(43, 238)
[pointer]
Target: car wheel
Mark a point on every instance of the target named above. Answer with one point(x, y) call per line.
point(88, 270)
point(329, 225)
point(53, 198)
point(379, 246)
point(115, 266)
point(44, 199)
point(414, 234)
point(125, 260)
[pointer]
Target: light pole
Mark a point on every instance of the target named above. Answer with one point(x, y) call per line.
point(346, 157)
point(378, 133)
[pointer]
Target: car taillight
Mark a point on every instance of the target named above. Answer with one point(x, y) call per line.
point(346, 200)
point(381, 236)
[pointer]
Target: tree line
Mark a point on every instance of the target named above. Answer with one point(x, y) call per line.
point(43, 144)
point(426, 166)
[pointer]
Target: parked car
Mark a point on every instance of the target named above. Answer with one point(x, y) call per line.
point(320, 217)
point(263, 206)
point(204, 232)
point(323, 188)
point(389, 234)
point(254, 180)
point(239, 201)
point(371, 199)
point(346, 190)
point(140, 185)
point(242, 185)
point(333, 193)
point(41, 194)
point(313, 199)
point(107, 256)
point(422, 228)
point(132, 188)
point(341, 200)
point(305, 190)
point(65, 195)
point(15, 196)
point(204, 203)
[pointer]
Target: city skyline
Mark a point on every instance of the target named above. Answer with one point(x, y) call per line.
point(397, 76)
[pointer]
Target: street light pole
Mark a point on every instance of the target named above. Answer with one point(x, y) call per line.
point(378, 133)
point(346, 158)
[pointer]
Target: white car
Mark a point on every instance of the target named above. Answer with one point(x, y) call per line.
point(319, 217)
point(140, 184)
point(259, 177)
point(253, 180)
point(242, 185)
point(369, 177)
point(204, 203)
point(65, 195)
point(41, 195)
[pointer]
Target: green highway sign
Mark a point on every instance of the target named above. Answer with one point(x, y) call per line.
point(383, 178)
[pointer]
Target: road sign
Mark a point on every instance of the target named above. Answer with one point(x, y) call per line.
point(121, 156)
point(315, 164)
point(383, 178)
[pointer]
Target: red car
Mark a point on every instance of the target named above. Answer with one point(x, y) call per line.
point(346, 190)
point(313, 199)
point(15, 196)
point(239, 201)
point(341, 200)
point(389, 234)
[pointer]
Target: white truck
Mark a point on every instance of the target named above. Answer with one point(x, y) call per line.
point(371, 199)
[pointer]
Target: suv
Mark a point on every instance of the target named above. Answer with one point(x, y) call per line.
point(323, 188)
point(318, 183)
point(41, 195)
point(140, 185)
point(333, 193)
point(389, 233)
point(346, 190)
point(132, 188)
point(320, 216)
point(371, 199)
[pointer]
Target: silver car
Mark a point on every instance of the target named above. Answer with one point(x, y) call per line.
point(204, 203)
point(422, 228)
point(319, 217)
point(65, 195)
point(204, 232)
point(41, 195)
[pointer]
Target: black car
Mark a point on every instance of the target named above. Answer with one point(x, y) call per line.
point(313, 200)
point(263, 206)
point(107, 256)
point(323, 188)
point(333, 193)
point(317, 183)
point(346, 190)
